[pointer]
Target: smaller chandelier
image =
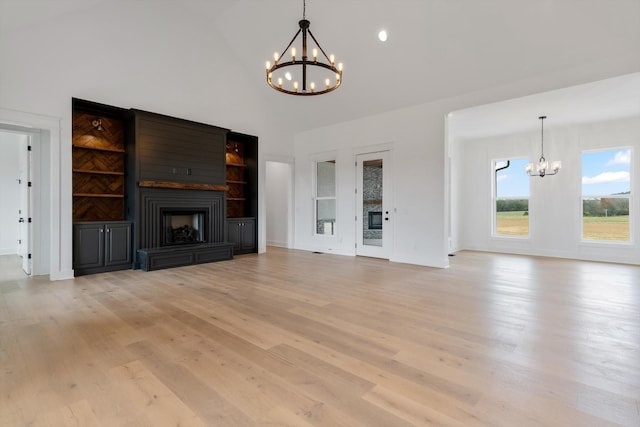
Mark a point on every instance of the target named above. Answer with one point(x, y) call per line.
point(304, 75)
point(542, 168)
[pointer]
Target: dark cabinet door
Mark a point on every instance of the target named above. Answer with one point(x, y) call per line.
point(117, 244)
point(88, 245)
point(242, 233)
point(248, 237)
point(99, 246)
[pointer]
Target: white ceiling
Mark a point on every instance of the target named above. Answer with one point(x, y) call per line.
point(436, 49)
point(608, 99)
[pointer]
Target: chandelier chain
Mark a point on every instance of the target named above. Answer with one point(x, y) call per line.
point(542, 135)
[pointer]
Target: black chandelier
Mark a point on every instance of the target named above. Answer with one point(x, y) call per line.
point(286, 76)
point(541, 169)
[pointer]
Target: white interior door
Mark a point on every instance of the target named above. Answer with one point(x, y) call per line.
point(24, 225)
point(374, 219)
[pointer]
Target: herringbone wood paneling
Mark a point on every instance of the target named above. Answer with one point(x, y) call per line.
point(89, 183)
point(98, 208)
point(92, 160)
point(111, 137)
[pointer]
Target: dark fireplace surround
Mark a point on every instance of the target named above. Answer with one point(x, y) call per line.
point(157, 232)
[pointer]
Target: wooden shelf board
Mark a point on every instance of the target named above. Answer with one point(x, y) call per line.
point(98, 172)
point(236, 182)
point(236, 199)
point(372, 202)
point(239, 165)
point(182, 185)
point(113, 150)
point(116, 196)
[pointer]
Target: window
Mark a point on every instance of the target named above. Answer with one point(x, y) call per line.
point(511, 195)
point(606, 190)
point(325, 199)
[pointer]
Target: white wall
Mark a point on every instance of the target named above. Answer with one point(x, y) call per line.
point(9, 191)
point(119, 54)
point(555, 219)
point(415, 137)
point(277, 198)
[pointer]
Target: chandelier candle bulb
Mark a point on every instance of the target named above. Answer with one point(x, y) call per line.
point(340, 66)
point(280, 82)
point(332, 59)
point(327, 83)
point(276, 57)
point(315, 55)
point(295, 86)
point(293, 54)
point(313, 87)
point(268, 64)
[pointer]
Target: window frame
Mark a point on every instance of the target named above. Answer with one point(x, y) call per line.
point(494, 199)
point(629, 197)
point(317, 198)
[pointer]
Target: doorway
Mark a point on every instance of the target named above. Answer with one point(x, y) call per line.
point(51, 254)
point(374, 228)
point(15, 183)
point(279, 204)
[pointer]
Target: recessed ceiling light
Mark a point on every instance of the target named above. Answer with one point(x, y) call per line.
point(382, 35)
point(287, 76)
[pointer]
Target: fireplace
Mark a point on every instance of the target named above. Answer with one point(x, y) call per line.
point(175, 218)
point(375, 220)
point(183, 226)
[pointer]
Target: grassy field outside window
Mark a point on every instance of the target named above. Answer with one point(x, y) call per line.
point(511, 198)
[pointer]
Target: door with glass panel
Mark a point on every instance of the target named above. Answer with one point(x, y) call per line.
point(373, 211)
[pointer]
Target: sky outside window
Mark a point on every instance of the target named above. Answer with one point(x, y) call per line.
point(606, 172)
point(512, 181)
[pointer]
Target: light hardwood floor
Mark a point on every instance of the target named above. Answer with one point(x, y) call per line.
point(301, 339)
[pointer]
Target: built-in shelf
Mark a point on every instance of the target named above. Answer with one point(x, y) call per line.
point(240, 165)
point(97, 162)
point(98, 172)
point(113, 150)
point(115, 196)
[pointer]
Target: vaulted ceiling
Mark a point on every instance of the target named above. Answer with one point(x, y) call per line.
point(436, 48)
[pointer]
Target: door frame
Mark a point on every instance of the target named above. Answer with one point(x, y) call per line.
point(263, 182)
point(51, 253)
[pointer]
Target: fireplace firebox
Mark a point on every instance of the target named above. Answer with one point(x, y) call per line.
point(375, 220)
point(183, 226)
